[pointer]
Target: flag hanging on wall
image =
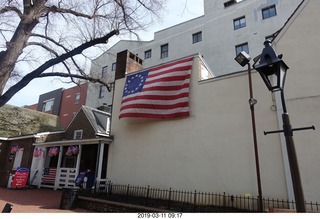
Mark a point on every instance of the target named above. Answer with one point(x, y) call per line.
point(160, 92)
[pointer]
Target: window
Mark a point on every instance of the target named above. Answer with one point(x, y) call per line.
point(239, 22)
point(102, 91)
point(18, 159)
point(269, 12)
point(231, 2)
point(78, 134)
point(77, 98)
point(147, 54)
point(47, 105)
point(113, 67)
point(104, 72)
point(242, 47)
point(164, 51)
point(197, 37)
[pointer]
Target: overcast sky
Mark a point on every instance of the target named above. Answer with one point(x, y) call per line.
point(177, 11)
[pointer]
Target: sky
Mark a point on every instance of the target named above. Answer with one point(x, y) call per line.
point(176, 11)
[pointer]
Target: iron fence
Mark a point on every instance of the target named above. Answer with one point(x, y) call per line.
point(186, 201)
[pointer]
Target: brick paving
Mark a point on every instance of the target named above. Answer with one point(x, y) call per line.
point(34, 200)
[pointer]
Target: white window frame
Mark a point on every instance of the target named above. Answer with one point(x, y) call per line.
point(78, 132)
point(45, 104)
point(17, 159)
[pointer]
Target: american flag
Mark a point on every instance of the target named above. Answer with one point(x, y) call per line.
point(160, 92)
point(49, 175)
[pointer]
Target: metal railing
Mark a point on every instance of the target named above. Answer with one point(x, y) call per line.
point(187, 201)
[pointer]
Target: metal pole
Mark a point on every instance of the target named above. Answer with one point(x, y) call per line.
point(260, 206)
point(293, 161)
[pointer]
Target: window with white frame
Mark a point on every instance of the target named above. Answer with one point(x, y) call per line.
point(47, 105)
point(78, 134)
point(18, 159)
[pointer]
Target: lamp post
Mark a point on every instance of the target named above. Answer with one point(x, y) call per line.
point(273, 71)
point(244, 59)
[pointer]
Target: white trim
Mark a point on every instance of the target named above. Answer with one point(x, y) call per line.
point(76, 142)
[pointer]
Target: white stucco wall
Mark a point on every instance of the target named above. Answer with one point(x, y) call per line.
point(299, 44)
point(210, 151)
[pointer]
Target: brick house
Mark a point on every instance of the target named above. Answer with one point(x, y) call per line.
point(82, 147)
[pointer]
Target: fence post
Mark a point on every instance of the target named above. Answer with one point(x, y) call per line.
point(147, 198)
point(224, 200)
point(194, 200)
point(169, 199)
point(128, 187)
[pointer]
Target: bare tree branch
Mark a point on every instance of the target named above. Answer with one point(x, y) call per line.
point(37, 72)
point(9, 9)
point(63, 29)
point(84, 77)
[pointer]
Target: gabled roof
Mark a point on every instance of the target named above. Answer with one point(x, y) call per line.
point(18, 121)
point(99, 120)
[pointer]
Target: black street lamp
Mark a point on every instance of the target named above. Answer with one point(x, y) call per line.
point(244, 59)
point(273, 71)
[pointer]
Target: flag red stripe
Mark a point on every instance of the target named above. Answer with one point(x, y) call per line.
point(165, 79)
point(155, 106)
point(156, 97)
point(166, 88)
point(177, 69)
point(156, 116)
point(171, 64)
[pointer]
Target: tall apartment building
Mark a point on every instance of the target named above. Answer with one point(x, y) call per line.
point(225, 29)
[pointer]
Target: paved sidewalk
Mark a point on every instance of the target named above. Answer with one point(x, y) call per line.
point(34, 200)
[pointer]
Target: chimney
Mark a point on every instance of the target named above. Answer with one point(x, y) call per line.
point(127, 62)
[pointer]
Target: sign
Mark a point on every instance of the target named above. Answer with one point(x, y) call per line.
point(20, 178)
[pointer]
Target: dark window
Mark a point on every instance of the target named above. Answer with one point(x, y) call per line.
point(197, 37)
point(242, 47)
point(113, 67)
point(104, 72)
point(239, 22)
point(147, 54)
point(164, 51)
point(231, 2)
point(269, 12)
point(102, 91)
